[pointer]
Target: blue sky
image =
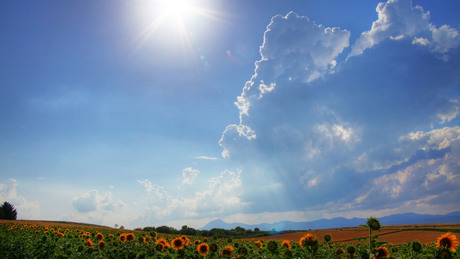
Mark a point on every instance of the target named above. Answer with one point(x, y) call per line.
point(139, 113)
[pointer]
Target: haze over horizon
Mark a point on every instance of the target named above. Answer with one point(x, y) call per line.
point(143, 113)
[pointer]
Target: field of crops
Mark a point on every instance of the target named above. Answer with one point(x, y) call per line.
point(396, 234)
point(19, 239)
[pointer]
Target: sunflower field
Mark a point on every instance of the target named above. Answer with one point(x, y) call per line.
point(22, 240)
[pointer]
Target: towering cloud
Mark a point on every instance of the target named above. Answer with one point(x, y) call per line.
point(376, 130)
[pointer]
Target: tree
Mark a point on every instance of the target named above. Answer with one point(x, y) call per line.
point(7, 211)
point(167, 230)
point(188, 231)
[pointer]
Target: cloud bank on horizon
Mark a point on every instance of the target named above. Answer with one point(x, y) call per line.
point(375, 130)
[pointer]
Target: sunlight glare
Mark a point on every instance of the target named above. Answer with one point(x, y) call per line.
point(175, 22)
point(178, 9)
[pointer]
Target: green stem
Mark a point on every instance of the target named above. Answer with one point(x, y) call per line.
point(370, 243)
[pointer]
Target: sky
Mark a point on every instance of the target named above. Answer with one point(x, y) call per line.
point(152, 112)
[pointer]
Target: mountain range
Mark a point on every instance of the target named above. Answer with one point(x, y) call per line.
point(339, 222)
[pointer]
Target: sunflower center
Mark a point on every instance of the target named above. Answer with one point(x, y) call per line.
point(445, 242)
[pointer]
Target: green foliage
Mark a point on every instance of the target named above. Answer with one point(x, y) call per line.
point(7, 211)
point(19, 240)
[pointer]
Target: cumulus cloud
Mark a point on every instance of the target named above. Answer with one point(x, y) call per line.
point(399, 19)
point(24, 208)
point(346, 133)
point(222, 196)
point(91, 202)
point(295, 49)
point(189, 175)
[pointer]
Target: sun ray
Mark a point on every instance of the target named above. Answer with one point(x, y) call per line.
point(147, 32)
point(175, 17)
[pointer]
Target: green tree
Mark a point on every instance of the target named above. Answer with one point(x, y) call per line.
point(7, 211)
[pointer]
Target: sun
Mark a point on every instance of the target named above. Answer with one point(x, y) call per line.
point(176, 9)
point(173, 19)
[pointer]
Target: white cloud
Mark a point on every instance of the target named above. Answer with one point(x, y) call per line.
point(344, 136)
point(223, 195)
point(421, 41)
point(312, 182)
point(434, 139)
point(451, 113)
point(444, 38)
point(337, 131)
point(295, 49)
point(234, 133)
point(206, 157)
point(92, 201)
point(432, 170)
point(189, 175)
point(25, 209)
point(398, 19)
point(99, 209)
point(263, 88)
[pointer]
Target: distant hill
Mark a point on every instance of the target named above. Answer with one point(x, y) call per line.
point(396, 219)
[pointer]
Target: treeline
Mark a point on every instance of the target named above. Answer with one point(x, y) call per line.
point(237, 232)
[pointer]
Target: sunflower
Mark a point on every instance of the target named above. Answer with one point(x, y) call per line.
point(286, 243)
point(186, 240)
point(351, 250)
point(129, 237)
point(307, 240)
point(89, 243)
point(259, 244)
point(122, 237)
point(101, 244)
point(382, 252)
point(177, 243)
point(213, 248)
point(448, 241)
point(99, 236)
point(242, 251)
point(60, 234)
point(197, 242)
point(272, 245)
point(327, 238)
point(227, 251)
point(203, 249)
point(373, 223)
point(162, 241)
point(416, 246)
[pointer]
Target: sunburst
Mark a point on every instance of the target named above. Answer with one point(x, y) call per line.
point(174, 16)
